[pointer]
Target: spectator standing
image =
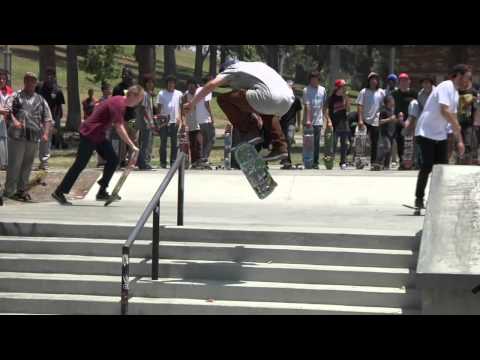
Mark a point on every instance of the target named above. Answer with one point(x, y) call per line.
point(168, 101)
point(31, 121)
point(392, 84)
point(315, 104)
point(145, 113)
point(89, 104)
point(288, 122)
point(53, 94)
point(338, 107)
point(466, 117)
point(403, 97)
point(193, 127)
point(369, 103)
point(205, 118)
point(6, 93)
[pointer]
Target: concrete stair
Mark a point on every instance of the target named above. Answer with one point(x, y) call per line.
point(43, 271)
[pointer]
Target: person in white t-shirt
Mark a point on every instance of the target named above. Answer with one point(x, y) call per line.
point(259, 93)
point(168, 101)
point(369, 103)
point(205, 119)
point(431, 132)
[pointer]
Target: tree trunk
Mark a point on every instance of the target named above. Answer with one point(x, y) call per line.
point(169, 60)
point(198, 62)
point(145, 56)
point(213, 60)
point(273, 56)
point(74, 114)
point(334, 65)
point(223, 54)
point(47, 59)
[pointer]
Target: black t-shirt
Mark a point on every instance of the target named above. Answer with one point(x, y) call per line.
point(467, 107)
point(290, 117)
point(338, 112)
point(389, 128)
point(119, 90)
point(53, 94)
point(403, 100)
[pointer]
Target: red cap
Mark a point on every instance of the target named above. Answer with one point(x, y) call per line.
point(340, 83)
point(404, 76)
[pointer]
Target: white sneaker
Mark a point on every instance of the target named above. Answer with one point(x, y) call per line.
point(343, 166)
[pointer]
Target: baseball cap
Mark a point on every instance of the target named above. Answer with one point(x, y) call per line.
point(392, 77)
point(290, 83)
point(373, 74)
point(340, 83)
point(31, 75)
point(404, 76)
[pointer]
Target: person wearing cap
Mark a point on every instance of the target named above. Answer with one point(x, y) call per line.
point(403, 97)
point(259, 92)
point(53, 94)
point(6, 93)
point(93, 131)
point(428, 85)
point(169, 103)
point(467, 113)
point(315, 114)
point(432, 131)
point(120, 90)
point(370, 100)
point(31, 121)
point(288, 122)
point(392, 82)
point(338, 105)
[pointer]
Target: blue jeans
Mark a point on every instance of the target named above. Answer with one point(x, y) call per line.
point(317, 134)
point(145, 139)
point(343, 136)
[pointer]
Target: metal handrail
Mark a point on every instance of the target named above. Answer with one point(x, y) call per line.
point(153, 207)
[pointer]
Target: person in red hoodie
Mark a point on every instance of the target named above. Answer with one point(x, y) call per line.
point(93, 136)
point(6, 93)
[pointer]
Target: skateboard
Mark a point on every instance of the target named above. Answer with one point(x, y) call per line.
point(409, 148)
point(308, 146)
point(123, 178)
point(381, 153)
point(227, 153)
point(328, 157)
point(255, 170)
point(417, 211)
point(360, 143)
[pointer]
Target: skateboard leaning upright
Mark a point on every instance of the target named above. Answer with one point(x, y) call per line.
point(255, 169)
point(308, 146)
point(227, 152)
point(360, 142)
point(329, 140)
point(408, 159)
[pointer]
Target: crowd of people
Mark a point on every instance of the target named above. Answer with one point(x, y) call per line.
point(263, 109)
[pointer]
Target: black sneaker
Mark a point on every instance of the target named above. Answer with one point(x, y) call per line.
point(419, 204)
point(276, 155)
point(315, 167)
point(104, 196)
point(163, 166)
point(1, 200)
point(61, 199)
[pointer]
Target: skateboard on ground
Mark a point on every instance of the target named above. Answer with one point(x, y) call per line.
point(255, 169)
point(409, 149)
point(308, 146)
point(123, 178)
point(227, 152)
point(328, 157)
point(360, 143)
point(417, 211)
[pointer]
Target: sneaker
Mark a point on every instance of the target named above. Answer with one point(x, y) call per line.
point(275, 155)
point(286, 166)
point(163, 166)
point(315, 167)
point(419, 204)
point(343, 166)
point(21, 196)
point(61, 199)
point(104, 196)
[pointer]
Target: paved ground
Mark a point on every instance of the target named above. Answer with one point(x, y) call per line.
point(335, 201)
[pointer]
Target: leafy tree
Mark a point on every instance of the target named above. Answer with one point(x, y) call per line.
point(101, 63)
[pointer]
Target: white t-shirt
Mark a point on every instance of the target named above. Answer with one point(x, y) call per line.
point(315, 98)
point(267, 92)
point(203, 116)
point(432, 124)
point(170, 102)
point(372, 102)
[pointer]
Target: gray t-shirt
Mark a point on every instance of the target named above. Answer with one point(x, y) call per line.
point(316, 99)
point(191, 120)
point(371, 102)
point(267, 92)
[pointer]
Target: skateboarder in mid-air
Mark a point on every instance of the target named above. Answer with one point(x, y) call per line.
point(93, 137)
point(258, 92)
